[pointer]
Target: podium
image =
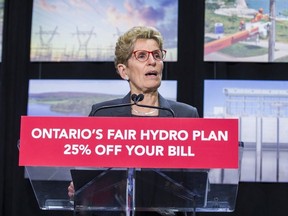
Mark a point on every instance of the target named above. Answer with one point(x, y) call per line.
point(165, 188)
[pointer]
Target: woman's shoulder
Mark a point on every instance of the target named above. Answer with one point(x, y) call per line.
point(183, 109)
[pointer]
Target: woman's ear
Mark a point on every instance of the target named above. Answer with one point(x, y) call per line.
point(122, 71)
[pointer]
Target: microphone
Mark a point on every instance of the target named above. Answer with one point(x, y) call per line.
point(136, 98)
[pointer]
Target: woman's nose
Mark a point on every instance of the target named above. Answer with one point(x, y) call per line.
point(151, 59)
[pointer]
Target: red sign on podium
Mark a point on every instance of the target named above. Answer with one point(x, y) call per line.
point(129, 142)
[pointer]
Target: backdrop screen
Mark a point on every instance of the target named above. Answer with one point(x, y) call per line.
point(87, 30)
point(54, 97)
point(246, 31)
point(262, 110)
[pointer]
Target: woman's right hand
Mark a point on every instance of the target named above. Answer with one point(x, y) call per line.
point(71, 190)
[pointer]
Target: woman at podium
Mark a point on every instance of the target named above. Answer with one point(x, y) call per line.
point(139, 59)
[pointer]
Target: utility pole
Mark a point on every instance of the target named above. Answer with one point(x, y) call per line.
point(272, 32)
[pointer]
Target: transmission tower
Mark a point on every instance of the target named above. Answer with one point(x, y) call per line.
point(84, 38)
point(44, 51)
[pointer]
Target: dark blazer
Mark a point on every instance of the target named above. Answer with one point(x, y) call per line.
point(180, 109)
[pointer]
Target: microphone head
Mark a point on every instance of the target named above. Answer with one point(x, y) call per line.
point(134, 98)
point(140, 97)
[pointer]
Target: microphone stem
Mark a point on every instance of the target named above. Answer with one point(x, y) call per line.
point(112, 106)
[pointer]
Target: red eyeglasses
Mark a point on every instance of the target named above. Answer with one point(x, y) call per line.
point(143, 55)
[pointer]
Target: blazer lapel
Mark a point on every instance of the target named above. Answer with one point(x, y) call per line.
point(164, 103)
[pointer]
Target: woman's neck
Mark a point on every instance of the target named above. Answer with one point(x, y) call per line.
point(148, 100)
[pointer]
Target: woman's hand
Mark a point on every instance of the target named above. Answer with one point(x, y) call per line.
point(71, 190)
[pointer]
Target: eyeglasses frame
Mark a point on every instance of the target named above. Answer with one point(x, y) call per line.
point(150, 52)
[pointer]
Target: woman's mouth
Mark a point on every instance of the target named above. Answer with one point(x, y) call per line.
point(151, 73)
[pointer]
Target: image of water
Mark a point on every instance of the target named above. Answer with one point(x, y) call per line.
point(35, 109)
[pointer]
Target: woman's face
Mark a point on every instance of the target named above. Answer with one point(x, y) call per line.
point(144, 76)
